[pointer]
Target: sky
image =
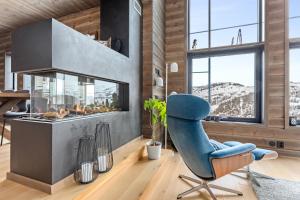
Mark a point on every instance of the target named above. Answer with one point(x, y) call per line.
point(295, 65)
point(224, 13)
point(294, 10)
point(227, 13)
point(225, 69)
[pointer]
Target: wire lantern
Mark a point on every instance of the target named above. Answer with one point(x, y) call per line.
point(86, 165)
point(103, 148)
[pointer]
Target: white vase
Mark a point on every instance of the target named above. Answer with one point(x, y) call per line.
point(154, 151)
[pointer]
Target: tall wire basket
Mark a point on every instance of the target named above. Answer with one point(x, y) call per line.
point(86, 166)
point(103, 148)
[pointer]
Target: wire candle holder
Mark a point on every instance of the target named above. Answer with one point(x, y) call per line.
point(86, 166)
point(103, 147)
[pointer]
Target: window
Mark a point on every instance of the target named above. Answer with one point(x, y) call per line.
point(295, 83)
point(294, 76)
point(294, 18)
point(26, 82)
point(231, 83)
point(215, 23)
point(10, 78)
point(221, 70)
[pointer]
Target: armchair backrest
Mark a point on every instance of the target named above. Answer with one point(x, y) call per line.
point(184, 113)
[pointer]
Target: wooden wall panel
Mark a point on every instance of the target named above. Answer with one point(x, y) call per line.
point(159, 43)
point(147, 61)
point(275, 60)
point(176, 43)
point(5, 43)
point(153, 53)
point(20, 12)
point(86, 22)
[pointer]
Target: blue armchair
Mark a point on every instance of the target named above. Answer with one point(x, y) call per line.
point(202, 157)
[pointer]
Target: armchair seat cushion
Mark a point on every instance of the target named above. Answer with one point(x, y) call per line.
point(232, 151)
point(258, 153)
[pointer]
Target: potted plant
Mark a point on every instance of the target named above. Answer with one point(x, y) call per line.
point(157, 110)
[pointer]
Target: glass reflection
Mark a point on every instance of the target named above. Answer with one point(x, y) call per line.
point(60, 96)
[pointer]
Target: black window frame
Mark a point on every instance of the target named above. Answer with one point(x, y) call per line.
point(294, 43)
point(256, 48)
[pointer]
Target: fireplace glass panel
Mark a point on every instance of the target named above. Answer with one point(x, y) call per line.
point(59, 96)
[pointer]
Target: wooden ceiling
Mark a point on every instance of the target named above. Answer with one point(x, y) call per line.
point(15, 13)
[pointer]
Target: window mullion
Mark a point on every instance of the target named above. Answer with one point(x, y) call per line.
point(258, 84)
point(209, 80)
point(260, 18)
point(209, 23)
point(209, 46)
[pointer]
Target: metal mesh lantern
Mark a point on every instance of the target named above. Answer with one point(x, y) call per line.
point(86, 168)
point(103, 148)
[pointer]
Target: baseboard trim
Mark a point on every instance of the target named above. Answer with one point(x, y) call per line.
point(38, 185)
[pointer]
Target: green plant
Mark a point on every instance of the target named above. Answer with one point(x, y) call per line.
point(158, 114)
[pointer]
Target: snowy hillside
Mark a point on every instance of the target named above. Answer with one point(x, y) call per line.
point(295, 99)
point(234, 99)
point(229, 99)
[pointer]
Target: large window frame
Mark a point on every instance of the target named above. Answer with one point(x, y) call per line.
point(294, 43)
point(257, 48)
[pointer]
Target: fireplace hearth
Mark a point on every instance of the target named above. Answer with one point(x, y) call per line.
point(60, 96)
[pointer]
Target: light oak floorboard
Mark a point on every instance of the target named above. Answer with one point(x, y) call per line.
point(150, 180)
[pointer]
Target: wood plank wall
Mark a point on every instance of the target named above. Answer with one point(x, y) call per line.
point(275, 63)
point(153, 53)
point(159, 43)
point(86, 22)
point(5, 44)
point(147, 62)
point(176, 44)
point(275, 126)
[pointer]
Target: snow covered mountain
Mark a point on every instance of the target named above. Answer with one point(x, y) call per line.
point(234, 99)
point(295, 99)
point(229, 99)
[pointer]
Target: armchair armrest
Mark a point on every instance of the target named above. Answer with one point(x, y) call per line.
point(231, 159)
point(232, 151)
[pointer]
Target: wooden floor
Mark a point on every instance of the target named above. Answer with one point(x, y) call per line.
point(148, 180)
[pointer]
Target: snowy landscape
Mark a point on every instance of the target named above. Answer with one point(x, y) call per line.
point(236, 100)
point(295, 99)
point(229, 99)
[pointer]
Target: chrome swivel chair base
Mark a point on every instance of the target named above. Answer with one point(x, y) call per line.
point(252, 175)
point(205, 185)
